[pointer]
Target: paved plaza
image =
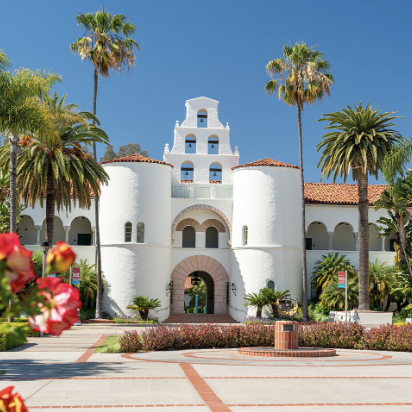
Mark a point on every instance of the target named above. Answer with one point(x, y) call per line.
point(64, 372)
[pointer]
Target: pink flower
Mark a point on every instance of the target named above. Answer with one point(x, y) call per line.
point(11, 402)
point(60, 258)
point(18, 263)
point(59, 310)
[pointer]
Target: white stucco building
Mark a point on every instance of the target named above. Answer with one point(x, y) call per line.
point(199, 212)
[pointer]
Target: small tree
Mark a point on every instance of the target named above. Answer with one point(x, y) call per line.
point(334, 297)
point(124, 150)
point(273, 298)
point(143, 304)
point(256, 300)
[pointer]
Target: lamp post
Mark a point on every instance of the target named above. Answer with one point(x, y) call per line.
point(346, 263)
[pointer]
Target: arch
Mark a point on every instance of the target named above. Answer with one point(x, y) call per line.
point(140, 232)
point(187, 222)
point(128, 229)
point(213, 144)
point(200, 263)
point(270, 284)
point(318, 234)
point(343, 238)
point(80, 232)
point(189, 237)
point(187, 172)
point(374, 244)
point(212, 222)
point(58, 233)
point(27, 231)
point(190, 143)
point(203, 207)
point(202, 118)
point(212, 237)
point(215, 173)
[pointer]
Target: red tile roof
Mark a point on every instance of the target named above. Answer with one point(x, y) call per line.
point(266, 162)
point(339, 194)
point(136, 158)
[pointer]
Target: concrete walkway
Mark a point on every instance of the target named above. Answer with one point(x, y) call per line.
point(64, 372)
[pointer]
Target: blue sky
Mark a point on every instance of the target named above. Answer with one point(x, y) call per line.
point(219, 49)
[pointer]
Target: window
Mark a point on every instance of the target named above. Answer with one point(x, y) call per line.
point(128, 232)
point(212, 237)
point(189, 237)
point(213, 145)
point(84, 239)
point(140, 232)
point(215, 173)
point(187, 173)
point(271, 285)
point(244, 235)
point(308, 243)
point(201, 118)
point(190, 144)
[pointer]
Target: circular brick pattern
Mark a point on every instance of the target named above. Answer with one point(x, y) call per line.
point(293, 353)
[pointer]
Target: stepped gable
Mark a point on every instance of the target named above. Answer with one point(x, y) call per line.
point(339, 194)
point(136, 158)
point(266, 162)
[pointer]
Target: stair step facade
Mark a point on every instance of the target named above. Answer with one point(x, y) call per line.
point(198, 318)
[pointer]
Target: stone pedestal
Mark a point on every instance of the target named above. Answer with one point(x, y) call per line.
point(286, 335)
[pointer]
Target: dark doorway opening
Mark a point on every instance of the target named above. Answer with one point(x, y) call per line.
point(209, 299)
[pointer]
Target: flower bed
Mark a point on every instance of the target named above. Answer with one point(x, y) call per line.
point(196, 337)
point(354, 336)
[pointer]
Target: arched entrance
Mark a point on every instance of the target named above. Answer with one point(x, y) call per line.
point(213, 274)
point(208, 301)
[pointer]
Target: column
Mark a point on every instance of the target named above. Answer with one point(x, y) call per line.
point(66, 233)
point(383, 239)
point(94, 235)
point(38, 230)
point(330, 236)
point(355, 235)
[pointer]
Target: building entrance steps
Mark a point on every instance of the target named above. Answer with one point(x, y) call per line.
point(198, 318)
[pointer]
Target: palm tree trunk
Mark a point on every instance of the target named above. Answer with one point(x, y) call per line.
point(259, 313)
point(305, 314)
point(402, 238)
point(363, 236)
point(13, 177)
point(13, 192)
point(99, 297)
point(50, 205)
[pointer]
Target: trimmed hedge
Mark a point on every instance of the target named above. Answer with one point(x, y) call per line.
point(354, 336)
point(8, 341)
point(196, 337)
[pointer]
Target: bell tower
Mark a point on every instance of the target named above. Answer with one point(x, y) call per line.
point(201, 151)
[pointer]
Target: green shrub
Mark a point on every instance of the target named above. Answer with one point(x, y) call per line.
point(192, 310)
point(8, 341)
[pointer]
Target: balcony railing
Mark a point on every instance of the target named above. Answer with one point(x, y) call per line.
point(202, 192)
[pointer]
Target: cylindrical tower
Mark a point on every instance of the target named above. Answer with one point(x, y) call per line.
point(135, 218)
point(266, 230)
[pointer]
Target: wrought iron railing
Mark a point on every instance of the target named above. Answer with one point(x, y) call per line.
point(202, 192)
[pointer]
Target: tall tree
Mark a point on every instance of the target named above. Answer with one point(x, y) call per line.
point(304, 78)
point(105, 47)
point(53, 165)
point(22, 112)
point(359, 139)
point(124, 150)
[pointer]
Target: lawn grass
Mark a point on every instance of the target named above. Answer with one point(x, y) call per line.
point(109, 345)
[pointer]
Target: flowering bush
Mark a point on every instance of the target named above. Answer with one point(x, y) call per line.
point(196, 337)
point(252, 320)
point(355, 336)
point(10, 402)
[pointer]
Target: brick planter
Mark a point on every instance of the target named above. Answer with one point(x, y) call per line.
point(286, 335)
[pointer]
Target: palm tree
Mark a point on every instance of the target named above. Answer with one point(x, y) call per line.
point(381, 280)
point(22, 112)
point(359, 139)
point(333, 297)
point(105, 47)
point(327, 268)
point(273, 297)
point(304, 78)
point(4, 61)
point(256, 300)
point(143, 304)
point(54, 166)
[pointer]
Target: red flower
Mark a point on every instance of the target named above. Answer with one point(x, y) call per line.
point(60, 258)
point(10, 402)
point(59, 310)
point(19, 266)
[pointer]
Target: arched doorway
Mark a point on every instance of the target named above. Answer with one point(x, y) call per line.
point(205, 290)
point(211, 272)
